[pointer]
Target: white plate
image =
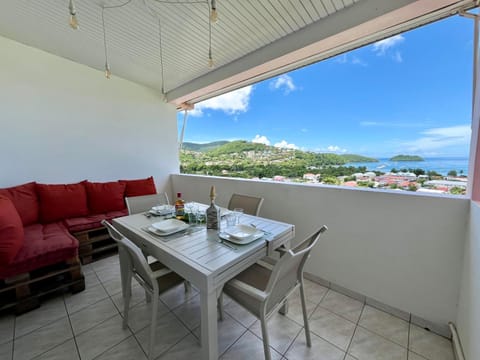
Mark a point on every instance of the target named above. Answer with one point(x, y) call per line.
point(169, 226)
point(161, 210)
point(248, 240)
point(241, 232)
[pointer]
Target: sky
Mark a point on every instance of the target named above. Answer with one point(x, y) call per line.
point(407, 94)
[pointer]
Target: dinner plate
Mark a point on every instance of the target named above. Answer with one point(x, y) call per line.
point(169, 226)
point(241, 232)
point(161, 210)
point(248, 240)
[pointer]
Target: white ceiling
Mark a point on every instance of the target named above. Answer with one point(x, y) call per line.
point(252, 39)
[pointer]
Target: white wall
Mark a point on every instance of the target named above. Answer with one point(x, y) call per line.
point(468, 320)
point(64, 122)
point(404, 250)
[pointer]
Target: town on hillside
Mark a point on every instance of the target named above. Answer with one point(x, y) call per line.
point(243, 159)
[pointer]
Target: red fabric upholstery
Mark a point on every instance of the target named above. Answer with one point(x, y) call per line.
point(11, 231)
point(44, 245)
point(62, 201)
point(92, 221)
point(25, 199)
point(105, 197)
point(139, 187)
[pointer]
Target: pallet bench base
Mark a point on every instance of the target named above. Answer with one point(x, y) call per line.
point(94, 244)
point(23, 292)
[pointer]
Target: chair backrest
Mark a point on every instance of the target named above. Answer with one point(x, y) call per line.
point(250, 204)
point(288, 271)
point(130, 255)
point(139, 204)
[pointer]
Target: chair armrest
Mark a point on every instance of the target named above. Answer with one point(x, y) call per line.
point(248, 289)
point(267, 263)
point(281, 249)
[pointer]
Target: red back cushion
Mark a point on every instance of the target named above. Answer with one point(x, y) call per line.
point(105, 197)
point(139, 187)
point(62, 201)
point(24, 198)
point(11, 231)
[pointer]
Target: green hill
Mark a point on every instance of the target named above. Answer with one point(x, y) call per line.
point(238, 146)
point(203, 147)
point(407, 158)
point(350, 158)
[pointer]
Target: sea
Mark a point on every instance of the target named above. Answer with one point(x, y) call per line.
point(441, 165)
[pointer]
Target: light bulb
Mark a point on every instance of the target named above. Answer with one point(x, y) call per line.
point(73, 15)
point(211, 64)
point(73, 21)
point(214, 15)
point(108, 73)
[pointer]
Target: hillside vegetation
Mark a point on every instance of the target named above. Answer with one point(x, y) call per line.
point(246, 159)
point(407, 158)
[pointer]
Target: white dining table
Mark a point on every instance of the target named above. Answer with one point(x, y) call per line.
point(198, 256)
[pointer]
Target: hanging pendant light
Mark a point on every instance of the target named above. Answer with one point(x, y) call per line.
point(213, 12)
point(73, 16)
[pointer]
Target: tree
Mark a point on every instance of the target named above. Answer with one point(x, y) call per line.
point(452, 173)
point(457, 190)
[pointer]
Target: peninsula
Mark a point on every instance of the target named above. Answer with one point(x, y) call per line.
point(407, 158)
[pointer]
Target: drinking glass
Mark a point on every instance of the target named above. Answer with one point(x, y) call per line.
point(231, 219)
point(238, 214)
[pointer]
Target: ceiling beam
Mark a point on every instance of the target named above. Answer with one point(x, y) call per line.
point(310, 44)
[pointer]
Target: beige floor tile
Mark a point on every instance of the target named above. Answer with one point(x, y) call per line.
point(413, 356)
point(76, 302)
point(177, 296)
point(91, 279)
point(314, 292)
point(320, 350)
point(47, 313)
point(138, 296)
point(140, 316)
point(430, 345)
point(229, 331)
point(7, 323)
point(384, 324)
point(42, 340)
point(295, 311)
point(342, 305)
point(128, 349)
point(92, 315)
point(189, 312)
point(102, 337)
point(65, 351)
point(113, 286)
point(6, 350)
point(106, 263)
point(331, 327)
point(239, 313)
point(350, 357)
point(187, 348)
point(249, 347)
point(281, 330)
point(168, 332)
point(369, 346)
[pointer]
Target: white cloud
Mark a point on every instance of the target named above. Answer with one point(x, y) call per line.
point(231, 103)
point(284, 82)
point(350, 59)
point(392, 124)
point(336, 149)
point(381, 47)
point(285, 145)
point(439, 138)
point(397, 57)
point(261, 139)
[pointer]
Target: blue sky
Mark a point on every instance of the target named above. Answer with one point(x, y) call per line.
point(410, 93)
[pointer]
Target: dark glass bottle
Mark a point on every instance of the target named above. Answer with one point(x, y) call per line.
point(213, 212)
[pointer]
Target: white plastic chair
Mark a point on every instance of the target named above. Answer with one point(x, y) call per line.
point(139, 204)
point(155, 278)
point(250, 204)
point(263, 288)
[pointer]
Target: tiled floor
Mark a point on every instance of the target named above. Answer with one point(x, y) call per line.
point(88, 326)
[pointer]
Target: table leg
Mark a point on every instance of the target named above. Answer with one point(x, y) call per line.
point(208, 326)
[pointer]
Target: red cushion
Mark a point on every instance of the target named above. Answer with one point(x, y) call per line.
point(25, 199)
point(44, 245)
point(62, 201)
point(92, 221)
point(11, 231)
point(139, 187)
point(105, 197)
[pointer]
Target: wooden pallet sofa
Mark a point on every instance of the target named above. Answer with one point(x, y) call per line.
point(46, 229)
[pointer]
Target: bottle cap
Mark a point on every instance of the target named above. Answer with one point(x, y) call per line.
point(212, 192)
point(179, 195)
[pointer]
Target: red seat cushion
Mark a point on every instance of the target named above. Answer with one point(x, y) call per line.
point(105, 197)
point(139, 187)
point(11, 231)
point(92, 221)
point(25, 199)
point(44, 244)
point(61, 201)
